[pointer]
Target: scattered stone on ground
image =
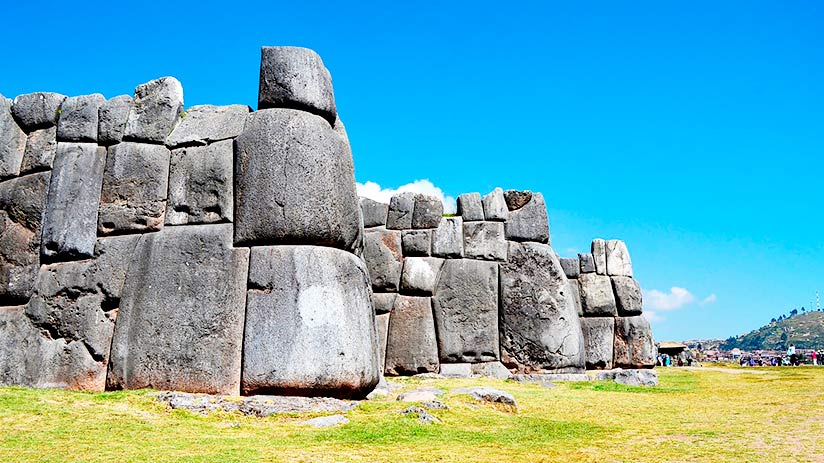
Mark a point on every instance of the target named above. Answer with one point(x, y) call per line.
point(629, 377)
point(488, 394)
point(326, 421)
point(551, 377)
point(423, 394)
point(434, 405)
point(256, 405)
point(423, 416)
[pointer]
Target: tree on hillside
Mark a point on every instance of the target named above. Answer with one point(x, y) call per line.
point(793, 313)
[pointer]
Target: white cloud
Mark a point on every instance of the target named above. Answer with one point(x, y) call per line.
point(652, 316)
point(374, 191)
point(709, 299)
point(664, 302)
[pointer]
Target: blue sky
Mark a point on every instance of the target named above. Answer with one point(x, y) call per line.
point(693, 131)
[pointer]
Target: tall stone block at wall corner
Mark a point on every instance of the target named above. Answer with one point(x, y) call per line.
point(295, 78)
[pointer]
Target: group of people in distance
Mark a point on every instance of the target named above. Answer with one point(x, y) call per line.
point(666, 360)
point(793, 357)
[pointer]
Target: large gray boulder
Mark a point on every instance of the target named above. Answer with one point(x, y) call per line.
point(206, 124)
point(420, 275)
point(427, 212)
point(484, 240)
point(411, 346)
point(383, 257)
point(539, 326)
point(597, 298)
point(627, 296)
point(135, 185)
point(310, 327)
point(22, 203)
point(294, 182)
point(470, 207)
point(295, 78)
point(447, 239)
point(156, 110)
point(599, 256)
point(374, 212)
point(37, 110)
point(466, 311)
point(200, 184)
point(112, 117)
point(495, 206)
point(416, 242)
point(618, 260)
point(180, 323)
point(599, 340)
point(634, 345)
point(41, 148)
point(401, 208)
point(526, 221)
point(79, 118)
point(12, 141)
point(70, 220)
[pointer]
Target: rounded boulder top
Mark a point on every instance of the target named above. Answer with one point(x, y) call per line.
point(295, 78)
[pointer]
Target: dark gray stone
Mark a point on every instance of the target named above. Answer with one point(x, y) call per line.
point(401, 208)
point(599, 341)
point(294, 182)
point(470, 207)
point(416, 242)
point(627, 296)
point(135, 184)
point(424, 417)
point(484, 240)
point(528, 222)
point(634, 345)
point(466, 311)
point(206, 124)
point(180, 324)
point(447, 239)
point(383, 257)
point(156, 110)
point(516, 199)
point(383, 302)
point(37, 110)
point(374, 212)
point(587, 263)
point(12, 141)
point(420, 275)
point(427, 212)
point(200, 184)
point(70, 221)
point(310, 326)
point(571, 267)
point(487, 394)
point(293, 77)
point(112, 117)
point(411, 347)
point(539, 326)
point(79, 118)
point(599, 255)
point(597, 298)
point(41, 147)
point(618, 260)
point(495, 206)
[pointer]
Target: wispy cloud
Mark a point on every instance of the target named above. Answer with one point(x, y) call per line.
point(674, 299)
point(709, 299)
point(374, 191)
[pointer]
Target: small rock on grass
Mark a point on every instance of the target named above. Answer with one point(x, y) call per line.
point(420, 395)
point(488, 394)
point(424, 416)
point(326, 421)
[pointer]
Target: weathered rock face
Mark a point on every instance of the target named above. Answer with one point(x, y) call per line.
point(135, 184)
point(293, 77)
point(294, 182)
point(382, 327)
point(598, 341)
point(571, 267)
point(627, 296)
point(587, 263)
point(494, 206)
point(470, 207)
point(200, 184)
point(37, 110)
point(599, 256)
point(310, 328)
point(22, 203)
point(618, 261)
point(575, 294)
point(466, 311)
point(401, 208)
point(374, 212)
point(70, 220)
point(12, 141)
point(383, 302)
point(526, 221)
point(634, 345)
point(597, 298)
point(156, 110)
point(484, 240)
point(112, 117)
point(194, 270)
point(382, 253)
point(420, 274)
point(427, 212)
point(206, 124)
point(412, 347)
point(539, 326)
point(79, 119)
point(416, 242)
point(447, 239)
point(41, 147)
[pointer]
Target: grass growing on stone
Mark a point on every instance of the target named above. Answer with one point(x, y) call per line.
point(710, 415)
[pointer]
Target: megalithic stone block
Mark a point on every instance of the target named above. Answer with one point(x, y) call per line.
point(295, 78)
point(420, 275)
point(382, 326)
point(587, 263)
point(310, 327)
point(571, 267)
point(495, 206)
point(201, 184)
point(484, 240)
point(70, 221)
point(401, 208)
point(618, 261)
point(427, 212)
point(634, 345)
point(374, 212)
point(78, 119)
point(411, 345)
point(470, 207)
point(383, 257)
point(599, 256)
point(294, 182)
point(575, 294)
point(41, 148)
point(447, 239)
point(206, 124)
point(156, 110)
point(111, 119)
point(627, 296)
point(526, 221)
point(383, 302)
point(597, 297)
point(12, 141)
point(180, 324)
point(416, 242)
point(599, 341)
point(37, 110)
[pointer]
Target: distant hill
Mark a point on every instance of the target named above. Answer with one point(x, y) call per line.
point(805, 330)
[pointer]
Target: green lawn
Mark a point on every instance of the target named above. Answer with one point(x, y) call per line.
point(710, 415)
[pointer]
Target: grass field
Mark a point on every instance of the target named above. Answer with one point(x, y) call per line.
point(709, 415)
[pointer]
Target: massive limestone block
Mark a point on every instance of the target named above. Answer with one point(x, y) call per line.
point(599, 340)
point(206, 124)
point(37, 110)
point(180, 324)
point(575, 294)
point(618, 261)
point(597, 298)
point(200, 184)
point(466, 311)
point(634, 345)
point(383, 257)
point(383, 302)
point(382, 326)
point(470, 207)
point(599, 255)
point(587, 263)
point(572, 268)
point(70, 221)
point(135, 184)
point(310, 327)
point(112, 117)
point(41, 147)
point(411, 345)
point(447, 239)
point(374, 212)
point(294, 77)
point(627, 296)
point(12, 141)
point(22, 203)
point(401, 208)
point(420, 274)
point(526, 221)
point(539, 326)
point(416, 242)
point(427, 212)
point(79, 118)
point(294, 182)
point(484, 240)
point(156, 110)
point(494, 206)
